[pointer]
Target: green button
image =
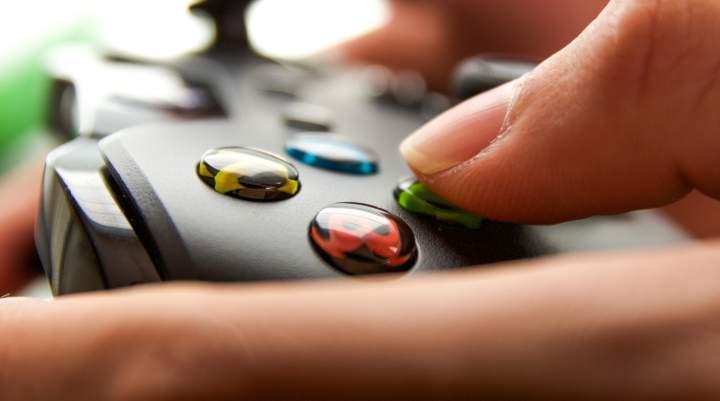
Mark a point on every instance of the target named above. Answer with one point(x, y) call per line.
point(415, 197)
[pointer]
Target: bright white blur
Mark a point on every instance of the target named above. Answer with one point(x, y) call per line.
point(163, 29)
point(156, 29)
point(293, 29)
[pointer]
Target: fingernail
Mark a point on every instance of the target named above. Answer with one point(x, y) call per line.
point(459, 134)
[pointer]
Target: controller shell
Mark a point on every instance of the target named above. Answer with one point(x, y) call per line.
point(128, 208)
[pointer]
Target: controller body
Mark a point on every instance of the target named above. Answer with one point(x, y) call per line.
point(129, 208)
point(133, 197)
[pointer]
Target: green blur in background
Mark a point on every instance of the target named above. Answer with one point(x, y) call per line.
point(24, 89)
point(30, 29)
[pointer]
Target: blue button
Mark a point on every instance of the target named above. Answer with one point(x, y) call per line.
point(332, 152)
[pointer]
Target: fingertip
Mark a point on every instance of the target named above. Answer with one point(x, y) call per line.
point(460, 134)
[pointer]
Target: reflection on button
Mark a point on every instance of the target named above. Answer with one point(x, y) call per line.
point(308, 117)
point(332, 152)
point(248, 173)
point(361, 239)
point(415, 197)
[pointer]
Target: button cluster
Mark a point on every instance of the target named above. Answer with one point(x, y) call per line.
point(354, 238)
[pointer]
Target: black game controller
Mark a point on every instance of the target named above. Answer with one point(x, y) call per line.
point(241, 169)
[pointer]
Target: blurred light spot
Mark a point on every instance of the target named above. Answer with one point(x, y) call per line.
point(25, 26)
point(293, 29)
point(153, 29)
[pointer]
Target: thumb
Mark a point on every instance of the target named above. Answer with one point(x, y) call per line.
point(625, 117)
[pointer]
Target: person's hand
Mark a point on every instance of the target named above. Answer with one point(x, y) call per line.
point(621, 119)
point(642, 326)
point(19, 194)
point(624, 117)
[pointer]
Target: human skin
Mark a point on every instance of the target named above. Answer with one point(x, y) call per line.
point(613, 327)
point(622, 118)
point(19, 192)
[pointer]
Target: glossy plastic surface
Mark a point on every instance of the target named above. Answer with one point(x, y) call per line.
point(85, 241)
point(415, 197)
point(165, 223)
point(333, 153)
point(247, 173)
point(192, 232)
point(361, 239)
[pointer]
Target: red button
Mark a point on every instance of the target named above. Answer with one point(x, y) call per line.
point(362, 239)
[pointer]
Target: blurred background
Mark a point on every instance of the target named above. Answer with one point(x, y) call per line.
point(32, 29)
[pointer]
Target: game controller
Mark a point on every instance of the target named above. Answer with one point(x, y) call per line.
point(242, 169)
